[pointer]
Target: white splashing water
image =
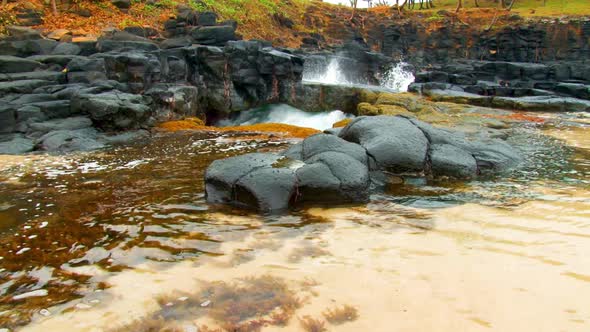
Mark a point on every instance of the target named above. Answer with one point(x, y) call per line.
point(332, 74)
point(397, 78)
point(281, 113)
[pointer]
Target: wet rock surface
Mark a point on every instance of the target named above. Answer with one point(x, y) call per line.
point(338, 169)
point(550, 87)
point(125, 80)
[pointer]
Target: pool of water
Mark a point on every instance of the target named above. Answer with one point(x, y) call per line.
point(123, 240)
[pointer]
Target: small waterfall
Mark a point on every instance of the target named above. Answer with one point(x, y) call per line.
point(331, 74)
point(281, 113)
point(397, 78)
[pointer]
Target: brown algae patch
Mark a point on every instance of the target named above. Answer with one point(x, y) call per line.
point(247, 304)
point(311, 324)
point(341, 315)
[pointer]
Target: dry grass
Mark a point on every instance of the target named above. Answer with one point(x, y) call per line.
point(340, 315)
point(311, 324)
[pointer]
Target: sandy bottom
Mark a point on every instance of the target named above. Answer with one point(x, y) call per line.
point(464, 268)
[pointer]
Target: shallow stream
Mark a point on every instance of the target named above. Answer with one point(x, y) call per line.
point(123, 240)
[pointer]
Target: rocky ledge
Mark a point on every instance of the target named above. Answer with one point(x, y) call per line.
point(548, 87)
point(345, 165)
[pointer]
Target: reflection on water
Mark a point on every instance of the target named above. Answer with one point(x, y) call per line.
point(123, 240)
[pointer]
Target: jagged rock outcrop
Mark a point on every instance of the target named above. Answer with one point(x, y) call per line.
point(124, 81)
point(553, 86)
point(338, 169)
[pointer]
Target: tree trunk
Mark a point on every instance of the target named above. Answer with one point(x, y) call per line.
point(353, 4)
point(54, 7)
point(511, 4)
point(459, 5)
point(476, 3)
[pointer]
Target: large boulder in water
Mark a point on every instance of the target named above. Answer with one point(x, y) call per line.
point(338, 169)
point(395, 143)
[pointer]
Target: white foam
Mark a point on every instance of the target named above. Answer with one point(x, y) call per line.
point(397, 78)
point(286, 114)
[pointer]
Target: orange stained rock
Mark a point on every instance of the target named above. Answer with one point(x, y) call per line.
point(280, 128)
point(341, 123)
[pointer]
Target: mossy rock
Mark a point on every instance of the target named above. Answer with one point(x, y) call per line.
point(393, 110)
point(431, 115)
point(452, 107)
point(342, 123)
point(368, 96)
point(408, 101)
point(367, 109)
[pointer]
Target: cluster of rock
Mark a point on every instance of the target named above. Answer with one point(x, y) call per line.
point(61, 96)
point(561, 86)
point(341, 167)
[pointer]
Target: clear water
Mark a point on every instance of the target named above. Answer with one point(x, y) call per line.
point(123, 239)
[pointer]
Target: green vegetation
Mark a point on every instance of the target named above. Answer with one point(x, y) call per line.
point(525, 7)
point(241, 10)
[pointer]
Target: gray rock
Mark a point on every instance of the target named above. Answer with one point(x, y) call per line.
point(266, 189)
point(55, 109)
point(7, 119)
point(448, 160)
point(542, 104)
point(320, 143)
point(16, 145)
point(213, 35)
point(12, 64)
point(352, 174)
point(23, 33)
point(575, 90)
point(122, 4)
point(395, 143)
point(73, 123)
point(31, 113)
point(50, 76)
point(26, 86)
point(61, 60)
point(70, 140)
point(316, 183)
point(490, 154)
point(222, 175)
point(126, 137)
point(207, 19)
point(66, 49)
point(113, 110)
point(122, 45)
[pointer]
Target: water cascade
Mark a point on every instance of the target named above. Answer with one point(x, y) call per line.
point(330, 74)
point(397, 78)
point(281, 113)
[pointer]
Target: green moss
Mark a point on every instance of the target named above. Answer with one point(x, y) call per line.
point(367, 109)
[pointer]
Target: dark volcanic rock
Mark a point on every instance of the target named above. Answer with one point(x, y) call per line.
point(395, 143)
point(327, 168)
point(213, 35)
point(12, 64)
point(122, 4)
point(113, 110)
point(223, 174)
point(16, 144)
